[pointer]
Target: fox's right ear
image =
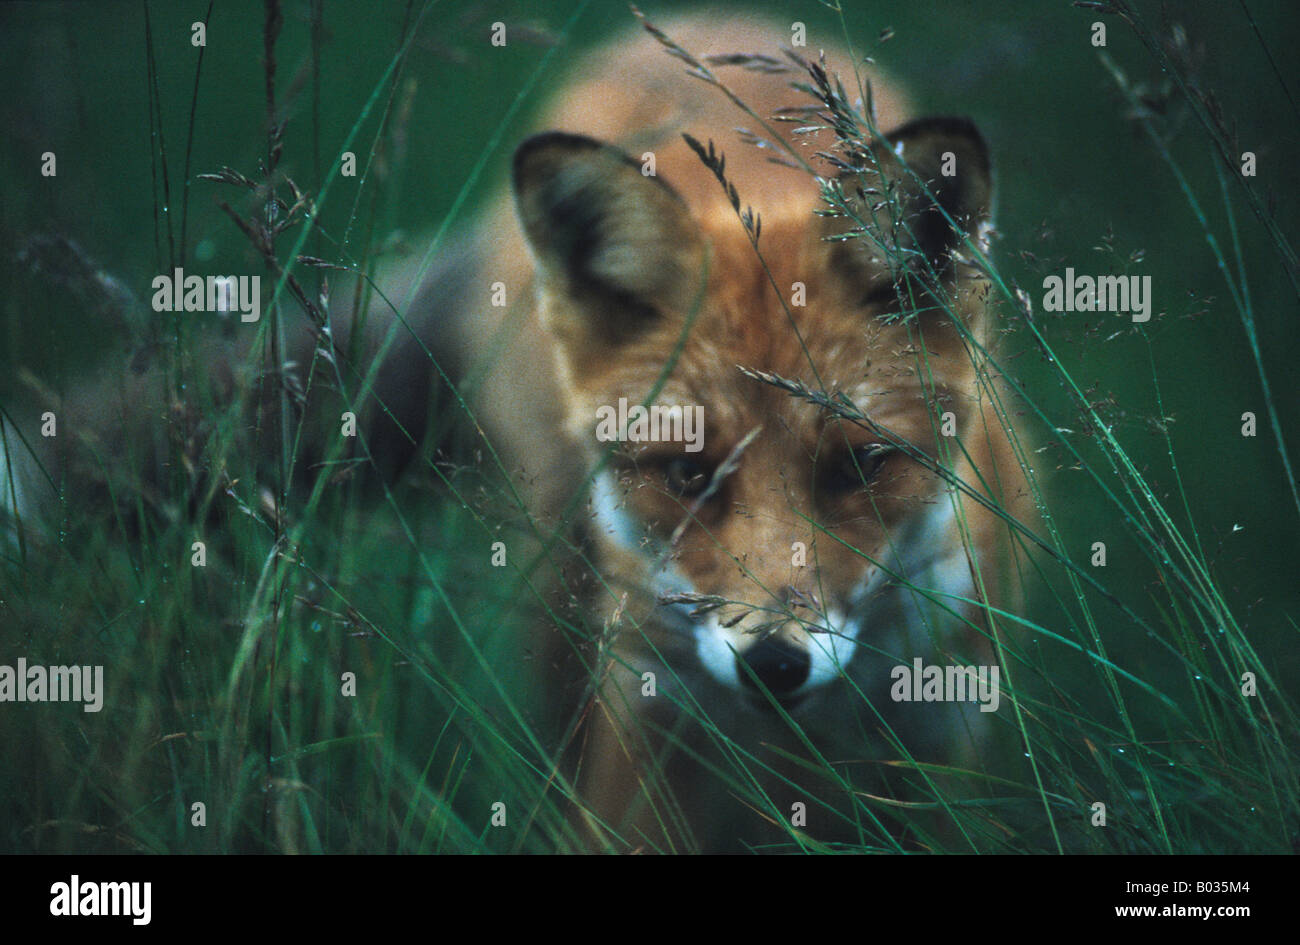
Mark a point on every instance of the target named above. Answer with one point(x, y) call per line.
point(621, 243)
point(947, 181)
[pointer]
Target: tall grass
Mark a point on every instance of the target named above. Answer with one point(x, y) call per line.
point(226, 683)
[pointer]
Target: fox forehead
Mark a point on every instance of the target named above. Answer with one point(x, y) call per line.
point(779, 309)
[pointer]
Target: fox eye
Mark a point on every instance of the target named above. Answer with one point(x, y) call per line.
point(855, 468)
point(882, 296)
point(686, 478)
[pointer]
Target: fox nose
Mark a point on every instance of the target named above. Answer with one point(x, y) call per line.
point(780, 666)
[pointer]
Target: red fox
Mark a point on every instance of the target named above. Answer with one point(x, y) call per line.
point(779, 449)
point(762, 577)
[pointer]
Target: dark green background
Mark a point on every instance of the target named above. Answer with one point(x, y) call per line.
point(1071, 167)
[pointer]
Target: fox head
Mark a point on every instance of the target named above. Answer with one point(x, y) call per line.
point(774, 547)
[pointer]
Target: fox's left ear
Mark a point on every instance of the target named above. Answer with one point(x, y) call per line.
point(938, 171)
point(621, 245)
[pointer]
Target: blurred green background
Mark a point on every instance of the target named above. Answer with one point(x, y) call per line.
point(1070, 168)
point(1079, 184)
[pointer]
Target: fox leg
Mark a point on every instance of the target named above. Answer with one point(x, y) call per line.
point(634, 781)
